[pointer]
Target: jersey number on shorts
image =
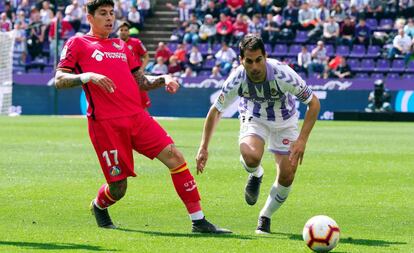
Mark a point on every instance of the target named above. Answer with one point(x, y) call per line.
point(106, 155)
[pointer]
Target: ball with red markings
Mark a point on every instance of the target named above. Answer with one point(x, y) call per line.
point(321, 233)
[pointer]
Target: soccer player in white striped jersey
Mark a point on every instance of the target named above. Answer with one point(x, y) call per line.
point(267, 114)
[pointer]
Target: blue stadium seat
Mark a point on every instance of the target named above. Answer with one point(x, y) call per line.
point(367, 65)
point(216, 47)
point(354, 64)
point(203, 48)
point(373, 51)
point(268, 49)
point(342, 50)
point(393, 76)
point(172, 46)
point(204, 73)
point(294, 50)
point(311, 47)
point(301, 37)
point(398, 66)
point(209, 64)
point(377, 75)
point(372, 23)
point(358, 51)
point(410, 68)
point(280, 50)
point(361, 75)
point(330, 50)
point(383, 65)
point(386, 23)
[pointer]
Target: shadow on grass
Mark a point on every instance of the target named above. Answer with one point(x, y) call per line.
point(54, 246)
point(193, 235)
point(350, 240)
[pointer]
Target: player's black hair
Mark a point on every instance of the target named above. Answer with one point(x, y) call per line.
point(93, 5)
point(251, 42)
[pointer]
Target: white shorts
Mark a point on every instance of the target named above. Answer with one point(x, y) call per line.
point(279, 136)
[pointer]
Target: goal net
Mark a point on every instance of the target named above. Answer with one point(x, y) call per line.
point(6, 77)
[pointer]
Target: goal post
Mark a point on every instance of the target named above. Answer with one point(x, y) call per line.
point(6, 76)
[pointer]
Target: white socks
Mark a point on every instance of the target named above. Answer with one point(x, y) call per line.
point(278, 194)
point(197, 215)
point(255, 171)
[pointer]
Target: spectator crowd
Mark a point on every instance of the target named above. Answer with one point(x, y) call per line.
point(318, 38)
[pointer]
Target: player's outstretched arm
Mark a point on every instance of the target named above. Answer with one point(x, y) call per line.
point(66, 79)
point(147, 82)
point(297, 148)
point(210, 124)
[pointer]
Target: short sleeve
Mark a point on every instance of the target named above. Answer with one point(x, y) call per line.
point(141, 48)
point(69, 55)
point(289, 81)
point(132, 62)
point(229, 92)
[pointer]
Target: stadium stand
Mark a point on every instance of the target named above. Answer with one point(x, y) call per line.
point(33, 20)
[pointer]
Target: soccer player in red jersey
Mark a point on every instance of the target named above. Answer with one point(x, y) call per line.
point(108, 73)
point(140, 53)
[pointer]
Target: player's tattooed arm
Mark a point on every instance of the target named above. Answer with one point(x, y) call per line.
point(148, 82)
point(65, 79)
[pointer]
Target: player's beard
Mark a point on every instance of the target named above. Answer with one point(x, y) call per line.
point(256, 76)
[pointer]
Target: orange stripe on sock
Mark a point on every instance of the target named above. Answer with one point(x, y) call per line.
point(179, 169)
point(108, 194)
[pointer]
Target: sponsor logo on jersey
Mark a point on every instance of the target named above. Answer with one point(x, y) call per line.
point(114, 171)
point(99, 56)
point(285, 141)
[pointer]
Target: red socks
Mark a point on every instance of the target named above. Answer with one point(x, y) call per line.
point(186, 188)
point(104, 198)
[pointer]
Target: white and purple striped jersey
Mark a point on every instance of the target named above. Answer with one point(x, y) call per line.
point(271, 100)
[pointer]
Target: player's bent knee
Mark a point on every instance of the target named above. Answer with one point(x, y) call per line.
point(287, 179)
point(118, 189)
point(175, 154)
point(251, 161)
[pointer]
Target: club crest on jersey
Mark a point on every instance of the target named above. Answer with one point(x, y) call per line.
point(116, 46)
point(285, 141)
point(114, 171)
point(130, 47)
point(273, 92)
point(221, 99)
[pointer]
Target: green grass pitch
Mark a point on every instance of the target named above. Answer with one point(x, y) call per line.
point(359, 173)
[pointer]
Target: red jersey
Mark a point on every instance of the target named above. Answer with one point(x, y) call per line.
point(136, 46)
point(138, 49)
point(65, 28)
point(111, 58)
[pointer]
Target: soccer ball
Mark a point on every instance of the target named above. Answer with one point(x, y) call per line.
point(321, 233)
